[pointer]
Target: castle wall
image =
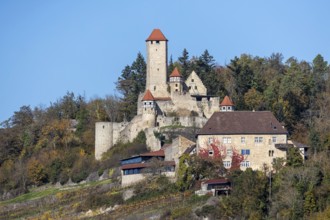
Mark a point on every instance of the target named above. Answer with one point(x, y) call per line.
point(103, 138)
point(152, 142)
point(186, 121)
point(209, 106)
point(106, 135)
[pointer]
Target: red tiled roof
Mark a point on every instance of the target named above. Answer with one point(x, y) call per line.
point(148, 96)
point(242, 122)
point(217, 181)
point(143, 165)
point(163, 99)
point(134, 165)
point(158, 153)
point(156, 34)
point(175, 73)
point(226, 102)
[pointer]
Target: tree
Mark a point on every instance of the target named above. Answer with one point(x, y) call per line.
point(294, 159)
point(131, 83)
point(184, 63)
point(36, 172)
point(253, 99)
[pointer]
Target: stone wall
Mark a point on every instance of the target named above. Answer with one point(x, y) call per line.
point(103, 138)
point(127, 180)
point(187, 121)
point(195, 85)
point(106, 135)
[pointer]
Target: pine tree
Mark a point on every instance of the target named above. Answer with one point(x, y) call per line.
point(131, 83)
point(184, 63)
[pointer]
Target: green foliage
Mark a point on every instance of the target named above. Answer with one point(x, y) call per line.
point(248, 197)
point(152, 187)
point(294, 158)
point(96, 200)
point(131, 83)
point(140, 138)
point(185, 178)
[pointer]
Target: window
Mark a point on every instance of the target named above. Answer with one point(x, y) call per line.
point(189, 87)
point(258, 139)
point(151, 42)
point(210, 141)
point(195, 87)
point(157, 69)
point(176, 85)
point(226, 140)
point(157, 41)
point(229, 152)
point(271, 153)
point(245, 163)
point(242, 140)
point(227, 164)
point(210, 153)
point(192, 80)
point(245, 151)
point(223, 108)
point(274, 139)
point(154, 88)
point(229, 107)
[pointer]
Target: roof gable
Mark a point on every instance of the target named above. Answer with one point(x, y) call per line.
point(242, 122)
point(148, 96)
point(227, 102)
point(156, 34)
point(175, 73)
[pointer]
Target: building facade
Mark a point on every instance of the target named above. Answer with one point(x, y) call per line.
point(252, 137)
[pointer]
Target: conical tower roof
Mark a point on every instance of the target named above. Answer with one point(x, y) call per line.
point(175, 73)
point(148, 96)
point(156, 34)
point(227, 102)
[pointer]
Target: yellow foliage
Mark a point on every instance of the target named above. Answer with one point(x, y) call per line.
point(36, 171)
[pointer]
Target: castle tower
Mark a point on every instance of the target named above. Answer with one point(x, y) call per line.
point(157, 63)
point(226, 105)
point(176, 82)
point(149, 110)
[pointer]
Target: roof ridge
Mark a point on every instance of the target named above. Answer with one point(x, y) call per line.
point(157, 35)
point(148, 96)
point(175, 73)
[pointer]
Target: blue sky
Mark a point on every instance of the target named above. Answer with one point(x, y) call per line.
point(50, 47)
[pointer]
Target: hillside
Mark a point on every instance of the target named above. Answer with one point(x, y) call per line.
point(48, 167)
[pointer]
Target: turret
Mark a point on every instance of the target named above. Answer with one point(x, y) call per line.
point(176, 81)
point(227, 105)
point(157, 63)
point(149, 109)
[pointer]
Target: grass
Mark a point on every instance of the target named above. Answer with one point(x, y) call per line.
point(52, 190)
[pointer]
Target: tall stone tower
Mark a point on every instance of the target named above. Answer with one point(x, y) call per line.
point(157, 64)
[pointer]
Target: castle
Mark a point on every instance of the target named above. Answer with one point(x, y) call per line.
point(166, 101)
